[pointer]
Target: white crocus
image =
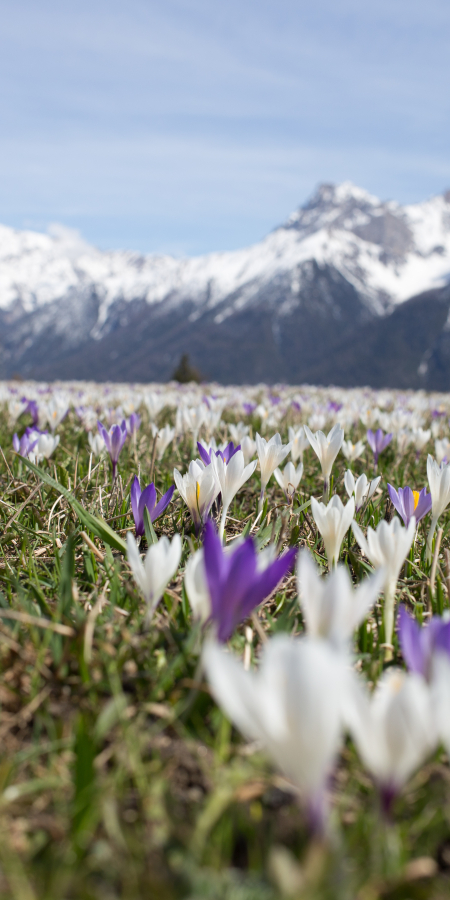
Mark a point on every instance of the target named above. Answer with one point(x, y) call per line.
point(158, 568)
point(238, 432)
point(332, 607)
point(55, 410)
point(442, 448)
point(293, 704)
point(164, 437)
point(394, 730)
point(439, 481)
point(230, 476)
point(198, 488)
point(299, 443)
point(419, 438)
point(45, 447)
point(248, 447)
point(96, 443)
point(440, 695)
point(387, 548)
point(197, 587)
point(333, 522)
point(362, 488)
point(326, 449)
point(352, 451)
point(270, 454)
point(289, 478)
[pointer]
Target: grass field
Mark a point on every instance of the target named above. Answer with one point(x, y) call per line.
point(120, 776)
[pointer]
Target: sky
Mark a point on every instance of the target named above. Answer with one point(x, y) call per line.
point(188, 126)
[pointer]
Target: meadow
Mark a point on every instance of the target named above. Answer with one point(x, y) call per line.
point(202, 727)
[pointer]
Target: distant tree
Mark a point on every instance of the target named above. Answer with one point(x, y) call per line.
point(185, 372)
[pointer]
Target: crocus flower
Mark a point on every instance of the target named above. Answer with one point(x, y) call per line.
point(114, 440)
point(387, 548)
point(362, 488)
point(159, 567)
point(198, 488)
point(439, 481)
point(394, 729)
point(270, 454)
point(333, 522)
point(442, 450)
point(420, 644)
point(289, 479)
point(235, 581)
point(352, 451)
point(226, 454)
point(46, 446)
point(326, 449)
point(197, 586)
point(141, 499)
point(27, 442)
point(332, 607)
point(378, 442)
point(440, 696)
point(32, 409)
point(238, 432)
point(230, 475)
point(134, 423)
point(299, 443)
point(164, 437)
point(293, 705)
point(410, 503)
point(96, 443)
point(248, 447)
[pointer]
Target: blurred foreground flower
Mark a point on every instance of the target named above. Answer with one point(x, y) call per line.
point(159, 567)
point(142, 499)
point(420, 644)
point(236, 581)
point(387, 548)
point(394, 730)
point(293, 704)
point(333, 522)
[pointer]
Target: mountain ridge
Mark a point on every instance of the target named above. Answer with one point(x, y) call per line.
point(342, 262)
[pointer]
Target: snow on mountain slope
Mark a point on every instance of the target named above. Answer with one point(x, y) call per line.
point(387, 252)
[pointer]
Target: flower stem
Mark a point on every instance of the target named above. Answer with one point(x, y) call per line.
point(430, 538)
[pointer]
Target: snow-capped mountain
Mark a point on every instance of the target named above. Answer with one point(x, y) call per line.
point(342, 260)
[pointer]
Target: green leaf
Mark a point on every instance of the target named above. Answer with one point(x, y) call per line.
point(95, 524)
point(149, 530)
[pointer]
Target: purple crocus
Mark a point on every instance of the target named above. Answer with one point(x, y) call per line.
point(134, 423)
point(147, 498)
point(249, 408)
point(419, 643)
point(235, 582)
point(409, 503)
point(226, 454)
point(27, 442)
point(378, 442)
point(32, 409)
point(114, 440)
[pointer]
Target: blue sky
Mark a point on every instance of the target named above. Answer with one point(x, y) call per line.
point(186, 126)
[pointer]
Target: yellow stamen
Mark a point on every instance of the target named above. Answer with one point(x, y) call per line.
point(198, 492)
point(416, 496)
